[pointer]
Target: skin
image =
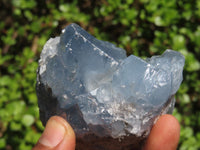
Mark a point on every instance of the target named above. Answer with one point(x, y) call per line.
point(164, 134)
point(59, 135)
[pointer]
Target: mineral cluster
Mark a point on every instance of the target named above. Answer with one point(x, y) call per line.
point(110, 100)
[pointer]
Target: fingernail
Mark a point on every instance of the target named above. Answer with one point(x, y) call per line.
point(53, 134)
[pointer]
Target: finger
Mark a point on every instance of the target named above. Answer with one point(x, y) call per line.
point(58, 135)
point(164, 134)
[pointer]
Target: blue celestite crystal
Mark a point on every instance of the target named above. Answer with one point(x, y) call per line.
point(99, 90)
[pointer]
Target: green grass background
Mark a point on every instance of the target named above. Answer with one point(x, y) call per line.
point(142, 27)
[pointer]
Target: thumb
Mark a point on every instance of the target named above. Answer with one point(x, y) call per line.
point(164, 134)
point(58, 135)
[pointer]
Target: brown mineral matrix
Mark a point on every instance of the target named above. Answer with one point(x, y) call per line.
point(92, 142)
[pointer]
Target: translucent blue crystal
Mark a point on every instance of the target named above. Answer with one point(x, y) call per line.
point(98, 89)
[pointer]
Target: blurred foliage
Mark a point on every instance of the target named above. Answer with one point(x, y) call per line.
point(142, 27)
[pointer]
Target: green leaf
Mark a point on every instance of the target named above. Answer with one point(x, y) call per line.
point(35, 26)
point(24, 146)
point(2, 143)
point(32, 136)
point(15, 126)
point(178, 42)
point(28, 120)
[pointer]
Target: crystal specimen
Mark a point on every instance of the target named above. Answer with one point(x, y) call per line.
point(102, 93)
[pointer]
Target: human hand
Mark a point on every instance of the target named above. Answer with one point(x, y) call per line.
point(58, 135)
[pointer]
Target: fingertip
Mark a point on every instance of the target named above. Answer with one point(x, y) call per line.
point(58, 134)
point(69, 140)
point(164, 134)
point(69, 129)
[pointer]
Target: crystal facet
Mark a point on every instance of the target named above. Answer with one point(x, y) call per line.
point(100, 91)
